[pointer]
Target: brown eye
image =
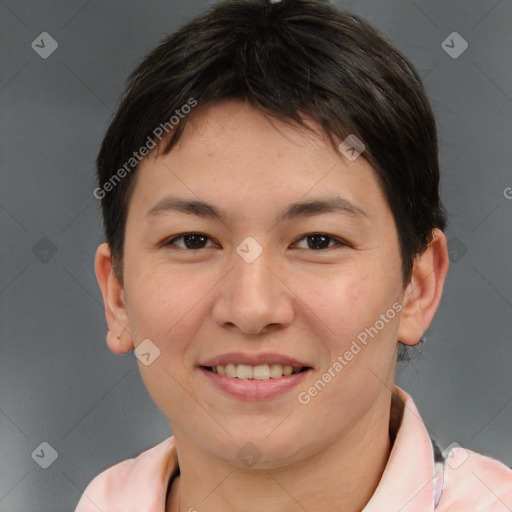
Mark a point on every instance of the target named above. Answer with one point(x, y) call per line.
point(190, 241)
point(320, 241)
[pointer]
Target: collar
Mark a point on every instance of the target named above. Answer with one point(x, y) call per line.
point(411, 480)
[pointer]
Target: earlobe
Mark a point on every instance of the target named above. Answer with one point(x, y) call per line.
point(423, 294)
point(114, 301)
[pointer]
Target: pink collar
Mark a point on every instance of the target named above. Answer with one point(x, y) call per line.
point(411, 481)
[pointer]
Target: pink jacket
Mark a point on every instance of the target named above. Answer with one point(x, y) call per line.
point(411, 482)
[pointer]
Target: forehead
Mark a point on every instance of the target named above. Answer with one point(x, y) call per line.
point(221, 128)
point(231, 153)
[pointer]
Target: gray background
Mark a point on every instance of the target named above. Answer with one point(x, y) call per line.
point(59, 382)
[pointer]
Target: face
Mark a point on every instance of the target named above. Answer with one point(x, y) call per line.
point(256, 285)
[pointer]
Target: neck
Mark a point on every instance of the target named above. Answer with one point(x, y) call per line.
point(347, 472)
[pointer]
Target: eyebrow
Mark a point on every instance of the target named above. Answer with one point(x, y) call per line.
point(333, 204)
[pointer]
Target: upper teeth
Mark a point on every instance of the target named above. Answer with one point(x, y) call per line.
point(260, 372)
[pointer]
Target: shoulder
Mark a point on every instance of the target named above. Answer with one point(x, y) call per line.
point(142, 479)
point(475, 482)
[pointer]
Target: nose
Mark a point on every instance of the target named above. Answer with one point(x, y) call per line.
point(254, 297)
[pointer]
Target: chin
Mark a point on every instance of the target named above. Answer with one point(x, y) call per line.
point(259, 452)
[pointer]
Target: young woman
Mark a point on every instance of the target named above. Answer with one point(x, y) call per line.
point(274, 241)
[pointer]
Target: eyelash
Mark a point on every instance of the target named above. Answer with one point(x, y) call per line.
point(169, 242)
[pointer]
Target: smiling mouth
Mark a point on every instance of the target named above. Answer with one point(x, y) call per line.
point(258, 372)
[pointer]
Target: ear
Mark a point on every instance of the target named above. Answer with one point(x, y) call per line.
point(424, 291)
point(114, 300)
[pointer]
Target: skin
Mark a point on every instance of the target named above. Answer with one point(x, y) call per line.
point(293, 299)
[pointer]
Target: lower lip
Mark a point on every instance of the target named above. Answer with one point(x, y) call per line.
point(251, 389)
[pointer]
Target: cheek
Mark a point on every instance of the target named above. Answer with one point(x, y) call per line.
point(344, 301)
point(163, 308)
point(351, 305)
point(157, 302)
